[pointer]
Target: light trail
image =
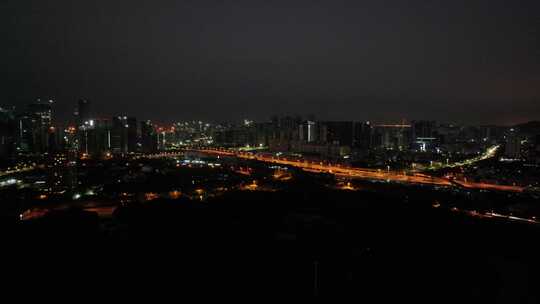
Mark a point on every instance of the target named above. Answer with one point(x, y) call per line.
point(21, 170)
point(489, 153)
point(361, 173)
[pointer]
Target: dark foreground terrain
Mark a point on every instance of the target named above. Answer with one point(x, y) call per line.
point(307, 243)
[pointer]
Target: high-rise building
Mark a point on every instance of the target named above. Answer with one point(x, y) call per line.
point(24, 137)
point(362, 137)
point(149, 143)
point(263, 133)
point(422, 129)
point(288, 127)
point(321, 133)
point(132, 135)
point(42, 110)
point(513, 145)
point(72, 150)
point(339, 133)
point(308, 131)
point(34, 127)
point(391, 136)
point(423, 135)
point(94, 137)
point(448, 134)
point(119, 135)
point(470, 134)
point(84, 112)
point(57, 139)
point(284, 131)
point(8, 131)
point(40, 115)
point(123, 135)
point(491, 134)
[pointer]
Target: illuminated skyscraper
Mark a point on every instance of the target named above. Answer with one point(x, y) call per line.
point(33, 130)
point(308, 132)
point(42, 110)
point(94, 137)
point(123, 135)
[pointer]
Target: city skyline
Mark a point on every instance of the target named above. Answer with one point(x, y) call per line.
point(63, 116)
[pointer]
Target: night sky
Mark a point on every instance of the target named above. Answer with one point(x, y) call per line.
point(460, 61)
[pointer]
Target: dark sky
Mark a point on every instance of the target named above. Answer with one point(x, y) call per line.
point(463, 61)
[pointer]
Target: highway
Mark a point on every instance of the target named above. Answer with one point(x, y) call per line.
point(16, 170)
point(362, 173)
point(489, 153)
